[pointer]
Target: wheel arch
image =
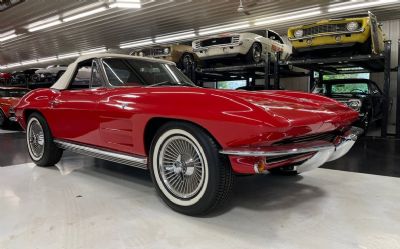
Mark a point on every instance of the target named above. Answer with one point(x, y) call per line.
point(156, 123)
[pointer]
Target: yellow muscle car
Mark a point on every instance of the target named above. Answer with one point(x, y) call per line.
point(363, 34)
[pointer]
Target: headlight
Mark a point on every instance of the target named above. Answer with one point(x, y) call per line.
point(354, 104)
point(298, 33)
point(352, 26)
point(166, 50)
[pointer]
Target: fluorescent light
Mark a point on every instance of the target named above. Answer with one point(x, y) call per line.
point(224, 28)
point(44, 21)
point(84, 14)
point(95, 50)
point(29, 62)
point(175, 37)
point(14, 65)
point(126, 5)
point(7, 35)
point(287, 17)
point(136, 43)
point(44, 26)
point(70, 55)
point(52, 58)
point(352, 5)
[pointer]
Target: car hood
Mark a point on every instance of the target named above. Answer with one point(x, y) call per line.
point(298, 109)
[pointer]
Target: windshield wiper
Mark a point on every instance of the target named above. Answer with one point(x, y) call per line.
point(170, 83)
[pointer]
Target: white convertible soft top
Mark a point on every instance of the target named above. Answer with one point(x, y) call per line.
point(63, 81)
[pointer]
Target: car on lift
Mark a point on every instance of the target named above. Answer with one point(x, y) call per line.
point(9, 96)
point(362, 95)
point(50, 73)
point(5, 78)
point(341, 36)
point(23, 77)
point(251, 47)
point(181, 54)
point(146, 113)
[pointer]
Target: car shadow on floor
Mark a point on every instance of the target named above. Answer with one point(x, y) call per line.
point(258, 192)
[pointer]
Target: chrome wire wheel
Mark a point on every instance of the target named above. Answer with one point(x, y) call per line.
point(181, 167)
point(35, 137)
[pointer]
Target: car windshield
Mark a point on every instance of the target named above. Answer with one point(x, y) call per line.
point(342, 88)
point(16, 93)
point(134, 72)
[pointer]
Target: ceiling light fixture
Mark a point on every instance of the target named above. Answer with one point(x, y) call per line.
point(353, 5)
point(175, 37)
point(46, 23)
point(126, 4)
point(28, 62)
point(84, 14)
point(289, 16)
point(7, 35)
point(52, 58)
point(70, 55)
point(224, 28)
point(18, 64)
point(136, 43)
point(95, 50)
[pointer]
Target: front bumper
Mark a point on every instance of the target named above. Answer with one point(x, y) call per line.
point(302, 156)
point(222, 51)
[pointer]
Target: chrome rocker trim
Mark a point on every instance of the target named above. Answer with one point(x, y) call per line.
point(134, 161)
point(325, 151)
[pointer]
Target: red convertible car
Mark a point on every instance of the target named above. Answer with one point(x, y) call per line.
point(9, 96)
point(146, 113)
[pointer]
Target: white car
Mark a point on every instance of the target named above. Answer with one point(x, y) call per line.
point(253, 46)
point(50, 72)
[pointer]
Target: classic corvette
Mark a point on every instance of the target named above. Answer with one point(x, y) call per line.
point(9, 96)
point(146, 113)
point(253, 47)
point(50, 73)
point(179, 53)
point(361, 34)
point(362, 95)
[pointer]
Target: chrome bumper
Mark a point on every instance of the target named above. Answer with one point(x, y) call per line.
point(324, 151)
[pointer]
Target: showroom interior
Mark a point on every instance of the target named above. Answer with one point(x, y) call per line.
point(199, 123)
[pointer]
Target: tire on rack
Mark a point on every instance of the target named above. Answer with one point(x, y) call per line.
point(41, 147)
point(3, 119)
point(255, 53)
point(186, 58)
point(188, 171)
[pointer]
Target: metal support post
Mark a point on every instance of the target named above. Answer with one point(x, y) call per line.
point(276, 70)
point(398, 94)
point(267, 76)
point(386, 89)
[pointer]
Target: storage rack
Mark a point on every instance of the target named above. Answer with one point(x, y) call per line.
point(275, 69)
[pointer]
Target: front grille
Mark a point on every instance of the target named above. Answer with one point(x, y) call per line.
point(216, 41)
point(325, 28)
point(328, 137)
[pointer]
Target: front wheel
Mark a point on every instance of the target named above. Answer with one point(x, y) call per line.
point(189, 173)
point(41, 147)
point(255, 53)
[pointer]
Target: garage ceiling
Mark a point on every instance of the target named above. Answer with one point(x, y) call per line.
point(114, 26)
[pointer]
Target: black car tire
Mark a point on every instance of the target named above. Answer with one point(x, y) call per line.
point(213, 172)
point(252, 56)
point(186, 57)
point(3, 119)
point(41, 147)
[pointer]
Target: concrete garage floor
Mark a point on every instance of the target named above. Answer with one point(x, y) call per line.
point(90, 203)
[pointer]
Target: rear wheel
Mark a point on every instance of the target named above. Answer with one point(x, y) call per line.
point(41, 147)
point(189, 173)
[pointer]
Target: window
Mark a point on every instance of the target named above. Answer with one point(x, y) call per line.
point(96, 80)
point(232, 84)
point(119, 73)
point(350, 88)
point(82, 76)
point(274, 36)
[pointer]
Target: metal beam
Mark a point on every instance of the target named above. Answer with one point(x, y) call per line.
point(276, 70)
point(386, 88)
point(267, 76)
point(398, 94)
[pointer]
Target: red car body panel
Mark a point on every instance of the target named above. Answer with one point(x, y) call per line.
point(7, 102)
point(116, 118)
